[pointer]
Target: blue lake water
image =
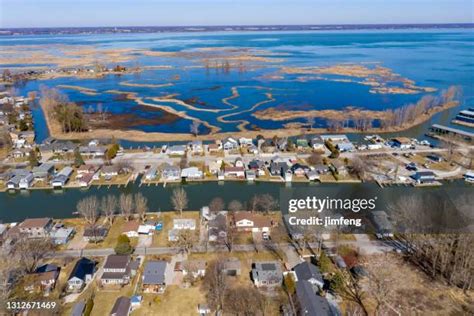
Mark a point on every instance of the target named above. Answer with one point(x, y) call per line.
point(431, 58)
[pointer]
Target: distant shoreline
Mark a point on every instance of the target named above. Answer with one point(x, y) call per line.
point(9, 31)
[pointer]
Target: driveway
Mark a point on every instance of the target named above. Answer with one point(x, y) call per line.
point(144, 241)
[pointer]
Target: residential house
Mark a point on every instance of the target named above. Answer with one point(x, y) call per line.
point(312, 175)
point(238, 163)
point(267, 274)
point(94, 233)
point(214, 166)
point(248, 221)
point(176, 150)
point(191, 173)
point(109, 172)
point(282, 144)
point(184, 223)
point(268, 146)
point(422, 177)
point(94, 151)
point(213, 148)
point(62, 177)
point(196, 147)
point(122, 307)
point(309, 272)
point(86, 179)
point(299, 170)
point(43, 171)
point(335, 138)
point(130, 229)
point(278, 169)
point(118, 270)
point(232, 267)
point(36, 227)
point(181, 224)
point(154, 277)
point(170, 173)
point(302, 143)
point(217, 228)
point(81, 274)
point(230, 144)
point(44, 278)
point(26, 181)
point(345, 146)
point(258, 166)
point(317, 143)
point(308, 302)
point(151, 173)
point(401, 142)
point(234, 172)
point(250, 175)
point(85, 169)
point(245, 142)
point(60, 235)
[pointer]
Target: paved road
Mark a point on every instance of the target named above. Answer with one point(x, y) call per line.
point(375, 245)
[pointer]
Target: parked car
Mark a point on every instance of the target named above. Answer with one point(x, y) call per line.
point(265, 236)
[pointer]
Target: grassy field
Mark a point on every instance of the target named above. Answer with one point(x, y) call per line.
point(175, 301)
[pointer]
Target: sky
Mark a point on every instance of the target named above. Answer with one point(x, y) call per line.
point(70, 13)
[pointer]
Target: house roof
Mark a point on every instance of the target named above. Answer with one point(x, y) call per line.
point(46, 268)
point(310, 303)
point(83, 267)
point(78, 308)
point(306, 271)
point(154, 272)
point(121, 306)
point(131, 226)
point(258, 220)
point(35, 222)
point(117, 262)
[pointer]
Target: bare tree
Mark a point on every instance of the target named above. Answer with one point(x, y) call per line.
point(216, 284)
point(246, 301)
point(126, 205)
point(31, 251)
point(10, 272)
point(194, 127)
point(185, 240)
point(216, 205)
point(141, 205)
point(89, 208)
point(108, 206)
point(381, 281)
point(358, 167)
point(235, 206)
point(179, 200)
point(310, 120)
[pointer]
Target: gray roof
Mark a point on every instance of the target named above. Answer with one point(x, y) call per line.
point(306, 271)
point(154, 272)
point(121, 306)
point(78, 308)
point(310, 303)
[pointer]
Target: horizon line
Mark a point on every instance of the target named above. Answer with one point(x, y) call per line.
point(245, 25)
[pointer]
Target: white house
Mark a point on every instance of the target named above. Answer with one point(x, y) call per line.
point(248, 221)
point(26, 181)
point(184, 223)
point(176, 150)
point(191, 173)
point(230, 144)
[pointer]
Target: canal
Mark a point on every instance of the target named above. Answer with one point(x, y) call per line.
point(62, 204)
